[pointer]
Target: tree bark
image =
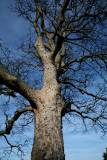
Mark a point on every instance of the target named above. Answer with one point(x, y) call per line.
point(48, 138)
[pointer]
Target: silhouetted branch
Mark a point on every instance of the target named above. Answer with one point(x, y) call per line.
point(10, 123)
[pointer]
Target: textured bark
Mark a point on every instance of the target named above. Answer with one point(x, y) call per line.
point(48, 138)
point(16, 84)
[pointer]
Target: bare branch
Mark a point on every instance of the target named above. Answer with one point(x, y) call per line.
point(84, 57)
point(15, 83)
point(83, 91)
point(7, 92)
point(42, 17)
point(58, 31)
point(11, 122)
point(10, 149)
point(61, 14)
point(33, 65)
point(36, 26)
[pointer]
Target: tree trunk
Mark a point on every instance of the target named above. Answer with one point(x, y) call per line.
point(48, 137)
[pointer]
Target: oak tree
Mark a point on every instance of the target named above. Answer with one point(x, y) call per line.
point(60, 69)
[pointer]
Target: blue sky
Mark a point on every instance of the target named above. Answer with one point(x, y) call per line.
point(11, 27)
point(78, 146)
point(87, 146)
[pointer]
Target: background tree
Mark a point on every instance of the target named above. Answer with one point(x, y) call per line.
point(69, 56)
point(105, 155)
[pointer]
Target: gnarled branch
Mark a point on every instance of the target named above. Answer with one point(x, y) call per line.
point(11, 122)
point(16, 84)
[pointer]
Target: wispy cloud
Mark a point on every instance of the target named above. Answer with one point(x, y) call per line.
point(80, 146)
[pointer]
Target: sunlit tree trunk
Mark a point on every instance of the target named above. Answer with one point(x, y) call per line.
point(48, 138)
